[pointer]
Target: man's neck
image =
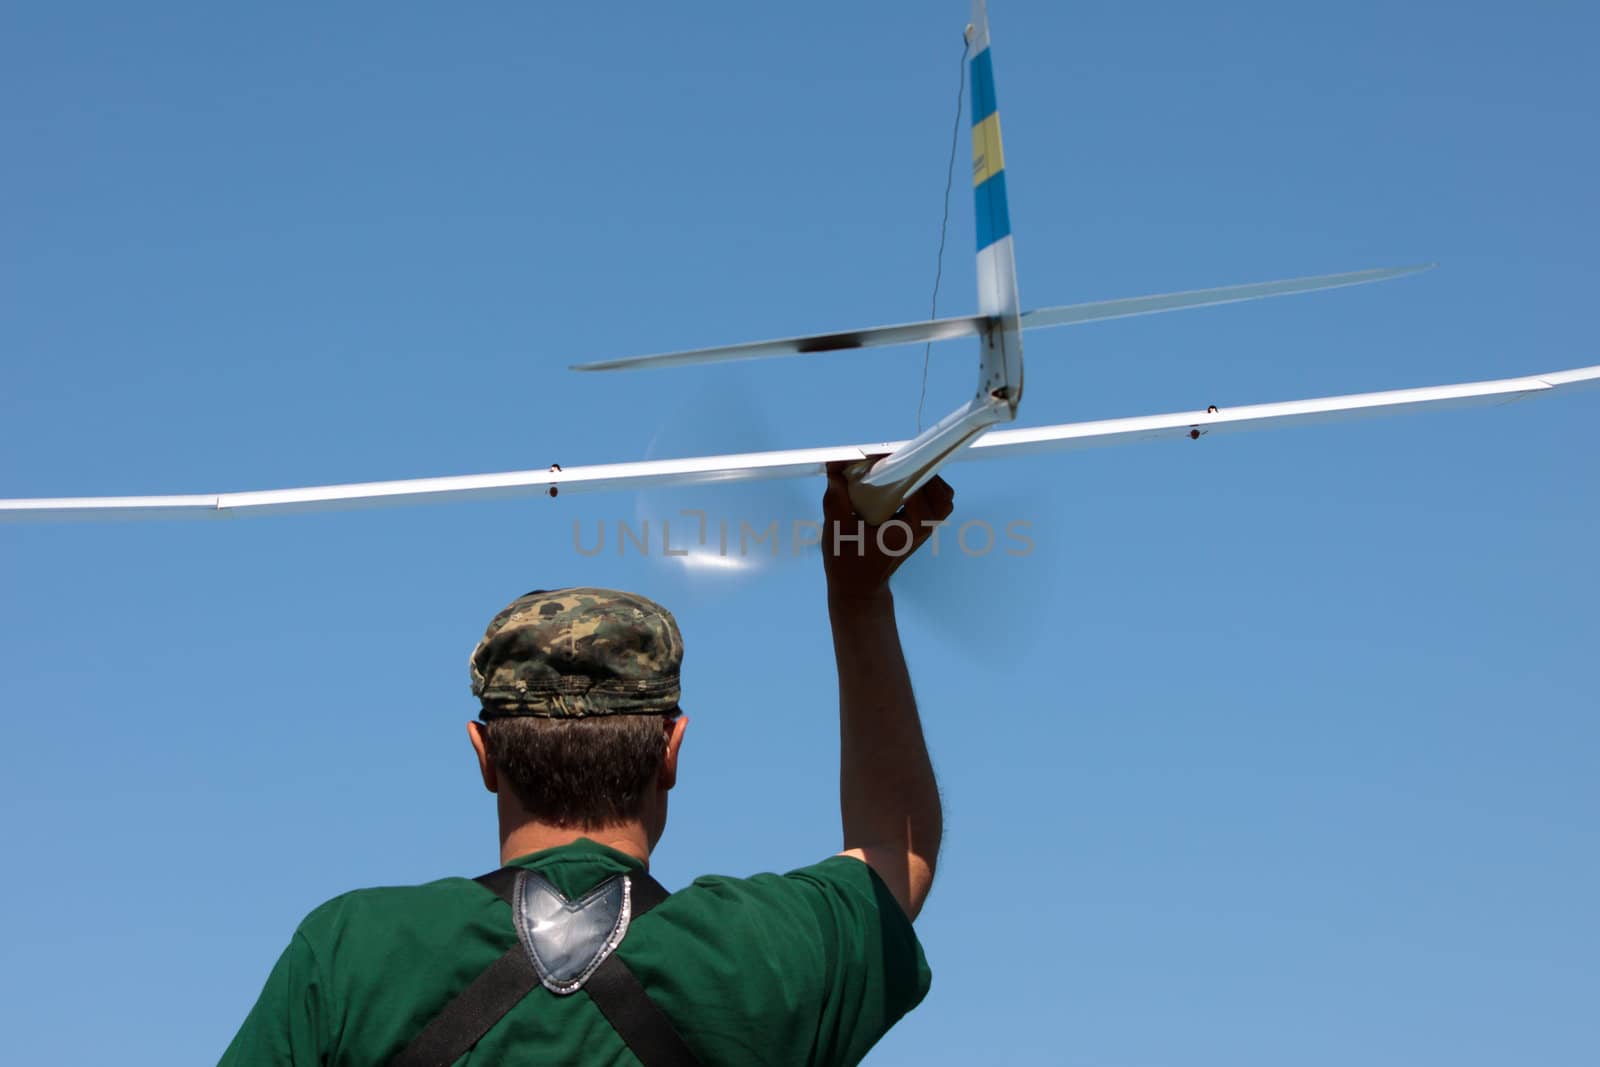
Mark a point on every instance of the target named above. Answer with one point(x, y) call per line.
point(526, 837)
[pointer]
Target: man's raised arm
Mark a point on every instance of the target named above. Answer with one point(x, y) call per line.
point(888, 798)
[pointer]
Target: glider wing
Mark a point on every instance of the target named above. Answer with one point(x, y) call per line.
point(795, 463)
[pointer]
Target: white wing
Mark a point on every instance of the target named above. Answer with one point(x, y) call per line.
point(792, 464)
point(970, 325)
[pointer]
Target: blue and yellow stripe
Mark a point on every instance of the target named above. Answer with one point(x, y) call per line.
point(988, 157)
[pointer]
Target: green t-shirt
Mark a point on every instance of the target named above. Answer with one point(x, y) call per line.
point(811, 967)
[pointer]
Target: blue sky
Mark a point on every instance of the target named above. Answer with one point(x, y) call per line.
point(1280, 747)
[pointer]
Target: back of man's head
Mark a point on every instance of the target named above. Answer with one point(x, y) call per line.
point(577, 688)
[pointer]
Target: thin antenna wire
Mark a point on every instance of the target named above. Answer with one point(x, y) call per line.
point(944, 223)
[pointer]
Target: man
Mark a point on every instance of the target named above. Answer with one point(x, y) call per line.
point(594, 963)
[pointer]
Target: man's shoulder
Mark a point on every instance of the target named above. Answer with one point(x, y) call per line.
point(820, 950)
point(811, 905)
point(443, 902)
point(800, 905)
point(832, 876)
point(448, 896)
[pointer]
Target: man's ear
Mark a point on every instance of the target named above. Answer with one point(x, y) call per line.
point(669, 762)
point(491, 777)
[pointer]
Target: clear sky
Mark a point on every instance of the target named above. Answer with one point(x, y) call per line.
point(1280, 747)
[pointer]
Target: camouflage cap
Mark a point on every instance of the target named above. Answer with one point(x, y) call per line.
point(569, 653)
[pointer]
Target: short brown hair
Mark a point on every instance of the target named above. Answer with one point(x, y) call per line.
point(584, 773)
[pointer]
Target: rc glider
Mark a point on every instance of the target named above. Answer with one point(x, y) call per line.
point(882, 474)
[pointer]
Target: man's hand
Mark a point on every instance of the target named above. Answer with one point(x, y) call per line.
point(859, 559)
point(888, 799)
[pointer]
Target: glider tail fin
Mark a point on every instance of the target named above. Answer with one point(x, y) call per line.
point(1000, 372)
point(877, 488)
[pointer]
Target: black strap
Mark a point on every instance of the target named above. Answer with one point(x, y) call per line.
point(616, 991)
point(625, 1002)
point(501, 883)
point(473, 1012)
point(644, 892)
point(613, 987)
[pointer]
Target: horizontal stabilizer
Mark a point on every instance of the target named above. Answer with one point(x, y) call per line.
point(908, 333)
point(971, 325)
point(1128, 307)
point(796, 463)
